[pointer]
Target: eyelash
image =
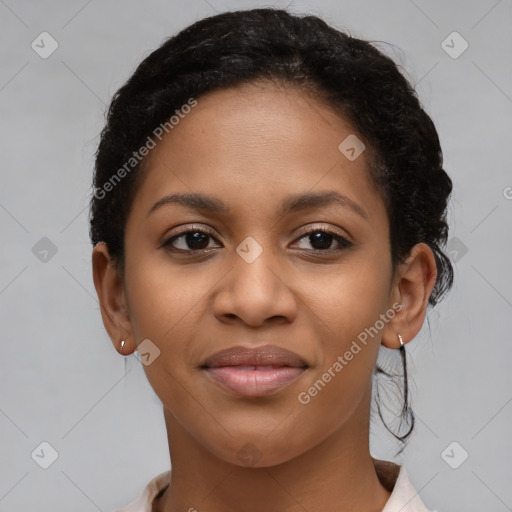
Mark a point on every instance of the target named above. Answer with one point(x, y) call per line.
point(343, 242)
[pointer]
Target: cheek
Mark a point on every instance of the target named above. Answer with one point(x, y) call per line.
point(164, 300)
point(346, 305)
point(348, 299)
point(167, 306)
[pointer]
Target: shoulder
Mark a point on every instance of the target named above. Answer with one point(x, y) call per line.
point(144, 502)
point(404, 497)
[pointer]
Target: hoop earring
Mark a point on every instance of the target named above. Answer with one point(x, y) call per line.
point(124, 356)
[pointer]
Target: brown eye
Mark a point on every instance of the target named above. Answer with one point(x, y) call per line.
point(193, 240)
point(322, 239)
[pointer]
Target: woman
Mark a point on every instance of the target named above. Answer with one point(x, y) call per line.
point(269, 209)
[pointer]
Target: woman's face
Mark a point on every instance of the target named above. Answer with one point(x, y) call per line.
point(247, 267)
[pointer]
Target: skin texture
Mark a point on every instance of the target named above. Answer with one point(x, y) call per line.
point(251, 147)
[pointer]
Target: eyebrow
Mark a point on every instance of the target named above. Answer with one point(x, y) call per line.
point(293, 203)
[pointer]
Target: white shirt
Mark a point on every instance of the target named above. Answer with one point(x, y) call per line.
point(404, 497)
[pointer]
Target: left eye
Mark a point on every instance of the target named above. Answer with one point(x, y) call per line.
point(323, 239)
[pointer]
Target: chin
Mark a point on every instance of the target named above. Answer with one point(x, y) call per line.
point(252, 449)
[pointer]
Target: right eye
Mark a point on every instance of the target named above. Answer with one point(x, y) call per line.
point(191, 240)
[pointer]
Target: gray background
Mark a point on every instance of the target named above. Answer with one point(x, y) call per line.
point(61, 379)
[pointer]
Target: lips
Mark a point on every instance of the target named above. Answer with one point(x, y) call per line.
point(266, 355)
point(254, 371)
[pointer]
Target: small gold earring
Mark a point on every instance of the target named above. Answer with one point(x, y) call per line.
point(122, 345)
point(401, 340)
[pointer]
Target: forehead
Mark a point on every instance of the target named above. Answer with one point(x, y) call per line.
point(253, 144)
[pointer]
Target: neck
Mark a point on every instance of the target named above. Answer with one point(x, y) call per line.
point(337, 474)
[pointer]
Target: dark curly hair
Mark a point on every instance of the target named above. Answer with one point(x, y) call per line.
point(356, 80)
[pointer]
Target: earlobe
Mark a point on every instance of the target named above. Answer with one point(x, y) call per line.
point(109, 287)
point(413, 285)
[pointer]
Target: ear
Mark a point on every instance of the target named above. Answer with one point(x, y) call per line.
point(412, 286)
point(113, 305)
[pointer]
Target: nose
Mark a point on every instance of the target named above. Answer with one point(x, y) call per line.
point(255, 293)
